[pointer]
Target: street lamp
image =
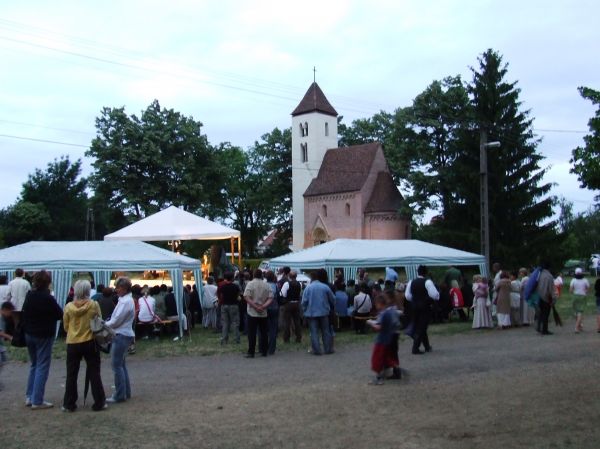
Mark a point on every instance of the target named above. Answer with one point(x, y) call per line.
point(485, 218)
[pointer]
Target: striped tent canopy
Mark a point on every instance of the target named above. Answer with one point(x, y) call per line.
point(101, 258)
point(350, 255)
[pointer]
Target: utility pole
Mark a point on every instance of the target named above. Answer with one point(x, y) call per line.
point(484, 202)
point(90, 228)
point(483, 197)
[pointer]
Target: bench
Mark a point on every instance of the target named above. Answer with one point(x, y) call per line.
point(157, 328)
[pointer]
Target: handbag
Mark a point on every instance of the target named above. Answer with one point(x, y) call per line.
point(18, 338)
point(355, 311)
point(103, 335)
point(155, 317)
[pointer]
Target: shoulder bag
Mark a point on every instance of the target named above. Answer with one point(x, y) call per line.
point(103, 335)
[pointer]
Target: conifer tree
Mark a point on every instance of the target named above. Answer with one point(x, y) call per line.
point(520, 208)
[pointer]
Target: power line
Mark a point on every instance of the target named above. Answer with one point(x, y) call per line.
point(35, 125)
point(247, 81)
point(55, 142)
point(286, 89)
point(236, 78)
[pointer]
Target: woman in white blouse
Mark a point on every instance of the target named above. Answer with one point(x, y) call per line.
point(362, 308)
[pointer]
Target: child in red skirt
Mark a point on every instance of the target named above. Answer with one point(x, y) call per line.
point(384, 354)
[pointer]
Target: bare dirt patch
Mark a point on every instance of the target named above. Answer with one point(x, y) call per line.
point(492, 389)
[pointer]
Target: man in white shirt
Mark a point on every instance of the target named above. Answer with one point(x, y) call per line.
point(595, 265)
point(17, 291)
point(420, 292)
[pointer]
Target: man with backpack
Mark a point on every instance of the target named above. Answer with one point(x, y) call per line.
point(290, 295)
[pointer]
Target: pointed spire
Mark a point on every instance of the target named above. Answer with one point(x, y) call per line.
point(314, 101)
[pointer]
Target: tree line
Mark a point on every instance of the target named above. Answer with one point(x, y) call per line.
point(142, 164)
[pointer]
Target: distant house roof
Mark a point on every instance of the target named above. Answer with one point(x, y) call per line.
point(268, 240)
point(343, 170)
point(314, 101)
point(385, 197)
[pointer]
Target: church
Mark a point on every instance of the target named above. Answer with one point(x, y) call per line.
point(339, 192)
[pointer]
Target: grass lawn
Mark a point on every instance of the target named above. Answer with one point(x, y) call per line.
point(207, 342)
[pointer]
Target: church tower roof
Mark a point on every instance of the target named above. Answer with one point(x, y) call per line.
point(314, 101)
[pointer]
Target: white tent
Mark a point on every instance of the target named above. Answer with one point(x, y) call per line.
point(173, 223)
point(351, 254)
point(100, 258)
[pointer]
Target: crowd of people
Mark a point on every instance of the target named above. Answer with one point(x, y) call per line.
point(262, 305)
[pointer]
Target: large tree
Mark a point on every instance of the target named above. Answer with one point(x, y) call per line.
point(52, 206)
point(586, 159)
point(419, 141)
point(23, 222)
point(143, 164)
point(245, 195)
point(271, 157)
point(437, 116)
point(520, 208)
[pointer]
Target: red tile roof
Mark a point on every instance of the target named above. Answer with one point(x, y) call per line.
point(343, 170)
point(314, 101)
point(385, 197)
point(269, 239)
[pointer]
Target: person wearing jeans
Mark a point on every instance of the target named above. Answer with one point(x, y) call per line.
point(40, 356)
point(40, 314)
point(317, 301)
point(122, 323)
point(316, 325)
point(118, 354)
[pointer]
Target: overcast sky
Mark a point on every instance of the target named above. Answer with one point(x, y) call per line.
point(240, 67)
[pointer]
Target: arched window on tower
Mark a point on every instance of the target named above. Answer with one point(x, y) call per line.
point(306, 128)
point(324, 210)
point(326, 129)
point(304, 150)
point(348, 209)
point(301, 130)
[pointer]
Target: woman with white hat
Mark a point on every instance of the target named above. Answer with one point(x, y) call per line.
point(579, 288)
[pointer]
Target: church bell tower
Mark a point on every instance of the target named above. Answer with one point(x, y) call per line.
point(314, 131)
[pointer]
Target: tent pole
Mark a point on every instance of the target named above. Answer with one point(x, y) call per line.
point(240, 252)
point(232, 250)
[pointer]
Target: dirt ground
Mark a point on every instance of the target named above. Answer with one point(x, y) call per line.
point(495, 389)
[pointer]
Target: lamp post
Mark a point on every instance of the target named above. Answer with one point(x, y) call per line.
point(483, 178)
